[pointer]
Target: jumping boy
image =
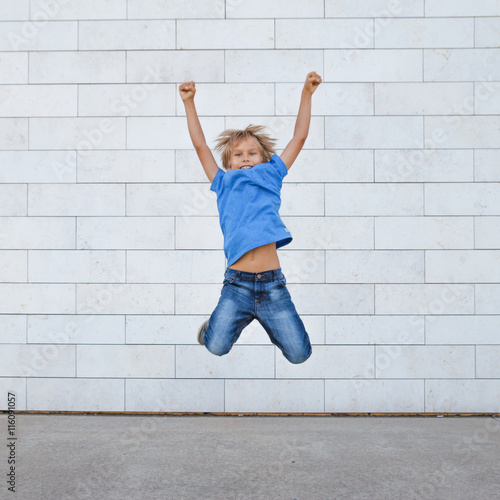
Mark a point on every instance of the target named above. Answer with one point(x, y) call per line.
point(248, 199)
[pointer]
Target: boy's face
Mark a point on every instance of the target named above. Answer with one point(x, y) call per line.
point(245, 154)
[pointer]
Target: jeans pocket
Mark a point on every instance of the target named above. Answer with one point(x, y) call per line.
point(282, 280)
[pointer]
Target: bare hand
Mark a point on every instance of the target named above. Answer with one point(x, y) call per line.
point(313, 80)
point(187, 91)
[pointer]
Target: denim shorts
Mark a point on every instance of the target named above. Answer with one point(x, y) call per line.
point(262, 296)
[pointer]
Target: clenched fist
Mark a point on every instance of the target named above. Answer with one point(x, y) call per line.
point(312, 82)
point(187, 91)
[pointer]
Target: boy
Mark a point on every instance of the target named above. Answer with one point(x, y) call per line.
point(248, 199)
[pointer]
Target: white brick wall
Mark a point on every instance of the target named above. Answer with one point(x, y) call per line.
point(110, 248)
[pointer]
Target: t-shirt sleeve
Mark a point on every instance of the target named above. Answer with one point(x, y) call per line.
point(217, 182)
point(279, 165)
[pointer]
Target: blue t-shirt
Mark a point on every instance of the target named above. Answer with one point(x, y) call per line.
point(248, 201)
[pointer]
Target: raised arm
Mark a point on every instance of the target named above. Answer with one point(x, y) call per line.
point(303, 119)
point(187, 91)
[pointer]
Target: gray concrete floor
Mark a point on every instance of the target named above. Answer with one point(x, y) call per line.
point(80, 457)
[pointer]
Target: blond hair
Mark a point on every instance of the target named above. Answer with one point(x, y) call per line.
point(229, 138)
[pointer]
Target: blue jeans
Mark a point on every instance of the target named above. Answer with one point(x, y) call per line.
point(262, 296)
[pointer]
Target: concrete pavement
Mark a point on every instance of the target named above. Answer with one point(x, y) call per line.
point(121, 457)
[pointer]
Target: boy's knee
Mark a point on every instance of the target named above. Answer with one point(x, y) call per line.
point(217, 348)
point(299, 357)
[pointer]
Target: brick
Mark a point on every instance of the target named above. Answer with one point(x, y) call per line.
point(330, 362)
point(374, 330)
point(331, 99)
point(225, 34)
point(328, 165)
point(425, 165)
point(175, 395)
point(487, 361)
point(378, 396)
point(126, 166)
point(487, 232)
point(472, 330)
point(112, 361)
point(15, 10)
point(13, 133)
point(458, 8)
point(198, 298)
point(37, 232)
point(424, 361)
point(374, 8)
point(176, 66)
point(16, 386)
point(175, 9)
point(13, 266)
point(163, 329)
point(487, 31)
point(245, 362)
point(365, 65)
point(133, 233)
point(77, 133)
point(13, 67)
point(486, 97)
point(39, 35)
point(76, 394)
point(233, 99)
point(123, 35)
point(312, 233)
point(322, 33)
point(273, 66)
point(462, 199)
point(374, 132)
point(198, 233)
point(77, 67)
point(75, 329)
point(332, 298)
point(426, 33)
point(138, 99)
point(375, 266)
point(21, 298)
point(487, 298)
point(407, 233)
point(486, 163)
point(422, 98)
point(188, 167)
point(461, 132)
point(462, 396)
point(450, 65)
point(76, 266)
point(374, 199)
point(37, 166)
point(462, 266)
point(302, 199)
point(277, 8)
point(125, 299)
point(12, 328)
point(170, 199)
point(303, 266)
point(74, 9)
point(76, 199)
point(13, 199)
point(424, 299)
point(274, 396)
point(174, 266)
point(38, 361)
point(38, 100)
point(168, 132)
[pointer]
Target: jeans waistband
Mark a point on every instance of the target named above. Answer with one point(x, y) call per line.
point(263, 277)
